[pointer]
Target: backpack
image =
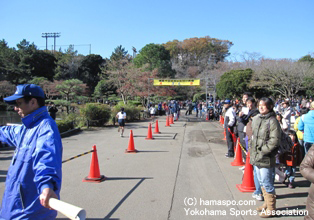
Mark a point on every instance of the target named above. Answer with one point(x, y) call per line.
point(285, 141)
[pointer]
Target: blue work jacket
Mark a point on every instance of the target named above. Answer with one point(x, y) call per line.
point(36, 165)
point(306, 124)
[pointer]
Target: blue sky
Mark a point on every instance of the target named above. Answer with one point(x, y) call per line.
point(275, 28)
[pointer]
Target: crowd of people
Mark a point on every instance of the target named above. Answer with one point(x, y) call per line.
point(261, 127)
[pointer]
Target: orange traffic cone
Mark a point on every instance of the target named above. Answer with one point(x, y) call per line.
point(149, 133)
point(238, 156)
point(156, 128)
point(222, 120)
point(207, 118)
point(248, 178)
point(131, 148)
point(224, 135)
point(94, 173)
point(171, 120)
point(235, 141)
point(167, 122)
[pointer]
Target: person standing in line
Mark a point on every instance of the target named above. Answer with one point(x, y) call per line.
point(265, 143)
point(286, 115)
point(303, 111)
point(306, 124)
point(307, 170)
point(241, 125)
point(253, 111)
point(292, 159)
point(229, 124)
point(121, 116)
point(35, 173)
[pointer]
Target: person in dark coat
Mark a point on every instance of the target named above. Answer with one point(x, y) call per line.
point(307, 171)
point(292, 159)
point(52, 110)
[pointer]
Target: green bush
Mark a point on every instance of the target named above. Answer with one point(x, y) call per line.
point(132, 112)
point(199, 97)
point(65, 125)
point(136, 103)
point(96, 114)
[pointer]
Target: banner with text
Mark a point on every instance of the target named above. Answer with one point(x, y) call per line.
point(176, 82)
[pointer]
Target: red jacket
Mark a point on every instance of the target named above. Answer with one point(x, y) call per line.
point(294, 157)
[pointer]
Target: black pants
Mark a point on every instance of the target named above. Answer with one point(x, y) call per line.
point(230, 143)
point(242, 142)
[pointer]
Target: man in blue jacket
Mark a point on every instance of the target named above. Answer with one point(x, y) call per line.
point(34, 175)
point(306, 124)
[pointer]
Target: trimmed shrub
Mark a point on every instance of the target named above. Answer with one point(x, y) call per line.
point(136, 103)
point(199, 97)
point(65, 125)
point(96, 114)
point(132, 112)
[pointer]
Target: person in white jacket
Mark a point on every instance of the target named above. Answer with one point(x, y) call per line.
point(286, 113)
point(230, 122)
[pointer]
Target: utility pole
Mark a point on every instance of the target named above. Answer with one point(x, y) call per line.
point(50, 35)
point(134, 52)
point(148, 81)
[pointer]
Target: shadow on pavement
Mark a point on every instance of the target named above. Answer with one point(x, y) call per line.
point(303, 183)
point(129, 178)
point(151, 151)
point(124, 198)
point(292, 195)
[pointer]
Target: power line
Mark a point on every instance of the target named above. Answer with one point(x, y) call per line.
point(50, 35)
point(77, 45)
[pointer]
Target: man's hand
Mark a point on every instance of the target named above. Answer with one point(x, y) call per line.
point(45, 195)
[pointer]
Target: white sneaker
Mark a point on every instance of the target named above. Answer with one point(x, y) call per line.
point(242, 168)
point(259, 197)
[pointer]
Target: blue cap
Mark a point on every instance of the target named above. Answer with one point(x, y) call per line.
point(227, 101)
point(25, 90)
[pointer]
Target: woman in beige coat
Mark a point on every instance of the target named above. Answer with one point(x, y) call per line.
point(307, 171)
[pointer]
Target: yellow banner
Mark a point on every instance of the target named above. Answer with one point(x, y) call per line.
point(176, 82)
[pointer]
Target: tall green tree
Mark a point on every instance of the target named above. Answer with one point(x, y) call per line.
point(13, 65)
point(119, 53)
point(70, 88)
point(307, 58)
point(202, 53)
point(42, 64)
point(155, 56)
point(90, 70)
point(68, 64)
point(234, 83)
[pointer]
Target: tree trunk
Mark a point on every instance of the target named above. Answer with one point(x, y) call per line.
point(123, 98)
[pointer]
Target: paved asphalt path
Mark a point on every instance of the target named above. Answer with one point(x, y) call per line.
point(181, 174)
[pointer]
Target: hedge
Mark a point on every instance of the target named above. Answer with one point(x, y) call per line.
point(65, 125)
point(132, 112)
point(96, 114)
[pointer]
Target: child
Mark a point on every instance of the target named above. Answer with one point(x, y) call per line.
point(292, 159)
